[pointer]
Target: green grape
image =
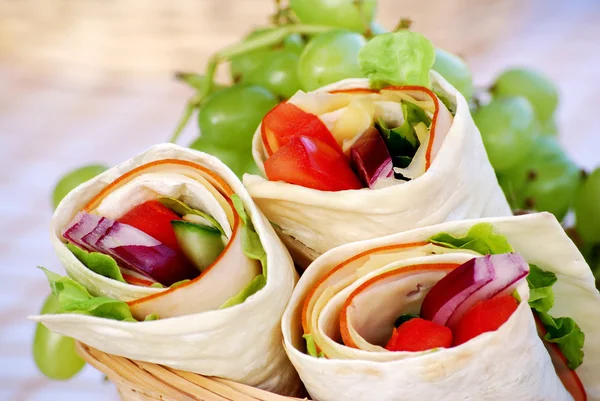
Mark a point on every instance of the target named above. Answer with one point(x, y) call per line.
point(455, 71)
point(246, 64)
point(377, 28)
point(545, 180)
point(349, 14)
point(294, 43)
point(587, 207)
point(537, 88)
point(278, 73)
point(229, 117)
point(548, 127)
point(507, 129)
point(73, 179)
point(239, 160)
point(54, 354)
point(330, 57)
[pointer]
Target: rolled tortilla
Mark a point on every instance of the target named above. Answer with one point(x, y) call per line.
point(195, 332)
point(453, 177)
point(351, 292)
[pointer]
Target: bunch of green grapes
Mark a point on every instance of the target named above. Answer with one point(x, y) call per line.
point(519, 131)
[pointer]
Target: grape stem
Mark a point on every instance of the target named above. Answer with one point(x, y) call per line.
point(272, 38)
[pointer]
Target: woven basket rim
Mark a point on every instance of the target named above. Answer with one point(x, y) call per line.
point(156, 382)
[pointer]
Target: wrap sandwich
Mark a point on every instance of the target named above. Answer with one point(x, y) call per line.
point(170, 262)
point(350, 162)
point(483, 309)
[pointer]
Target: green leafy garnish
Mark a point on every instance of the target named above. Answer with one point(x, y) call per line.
point(405, 318)
point(562, 331)
point(480, 239)
point(255, 285)
point(182, 209)
point(98, 263)
point(180, 282)
point(253, 248)
point(541, 296)
point(311, 347)
point(398, 58)
point(74, 298)
point(157, 285)
point(151, 317)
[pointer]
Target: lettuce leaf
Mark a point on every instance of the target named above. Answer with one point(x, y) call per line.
point(98, 262)
point(253, 248)
point(311, 347)
point(74, 298)
point(541, 296)
point(562, 331)
point(480, 239)
point(182, 209)
point(397, 58)
point(565, 333)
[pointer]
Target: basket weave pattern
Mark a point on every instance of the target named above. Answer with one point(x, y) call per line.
point(142, 381)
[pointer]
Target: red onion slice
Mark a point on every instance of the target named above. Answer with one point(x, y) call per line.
point(130, 247)
point(478, 279)
point(81, 225)
point(370, 157)
point(510, 268)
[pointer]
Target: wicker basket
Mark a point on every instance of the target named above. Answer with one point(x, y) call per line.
point(142, 381)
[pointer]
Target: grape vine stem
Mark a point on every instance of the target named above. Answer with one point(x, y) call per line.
point(271, 38)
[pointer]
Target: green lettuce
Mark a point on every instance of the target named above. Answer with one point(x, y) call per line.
point(98, 262)
point(397, 58)
point(405, 318)
point(562, 331)
point(182, 209)
point(253, 248)
point(75, 298)
point(311, 347)
point(480, 239)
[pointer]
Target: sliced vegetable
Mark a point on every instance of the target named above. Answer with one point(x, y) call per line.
point(567, 376)
point(287, 121)
point(131, 248)
point(485, 316)
point(200, 244)
point(187, 213)
point(153, 218)
point(98, 263)
point(370, 157)
point(311, 163)
point(419, 335)
point(477, 280)
point(401, 142)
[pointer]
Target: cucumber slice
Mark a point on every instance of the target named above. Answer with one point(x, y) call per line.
point(200, 244)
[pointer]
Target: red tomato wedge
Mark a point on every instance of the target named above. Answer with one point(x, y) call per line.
point(153, 218)
point(311, 163)
point(567, 376)
point(419, 335)
point(485, 316)
point(287, 121)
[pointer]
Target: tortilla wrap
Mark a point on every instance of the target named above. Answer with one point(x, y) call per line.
point(510, 363)
point(458, 184)
point(194, 332)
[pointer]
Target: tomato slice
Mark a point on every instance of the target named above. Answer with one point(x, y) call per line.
point(485, 316)
point(286, 121)
point(311, 163)
point(419, 335)
point(567, 376)
point(153, 218)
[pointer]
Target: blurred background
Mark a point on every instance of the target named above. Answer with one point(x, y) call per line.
point(85, 81)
